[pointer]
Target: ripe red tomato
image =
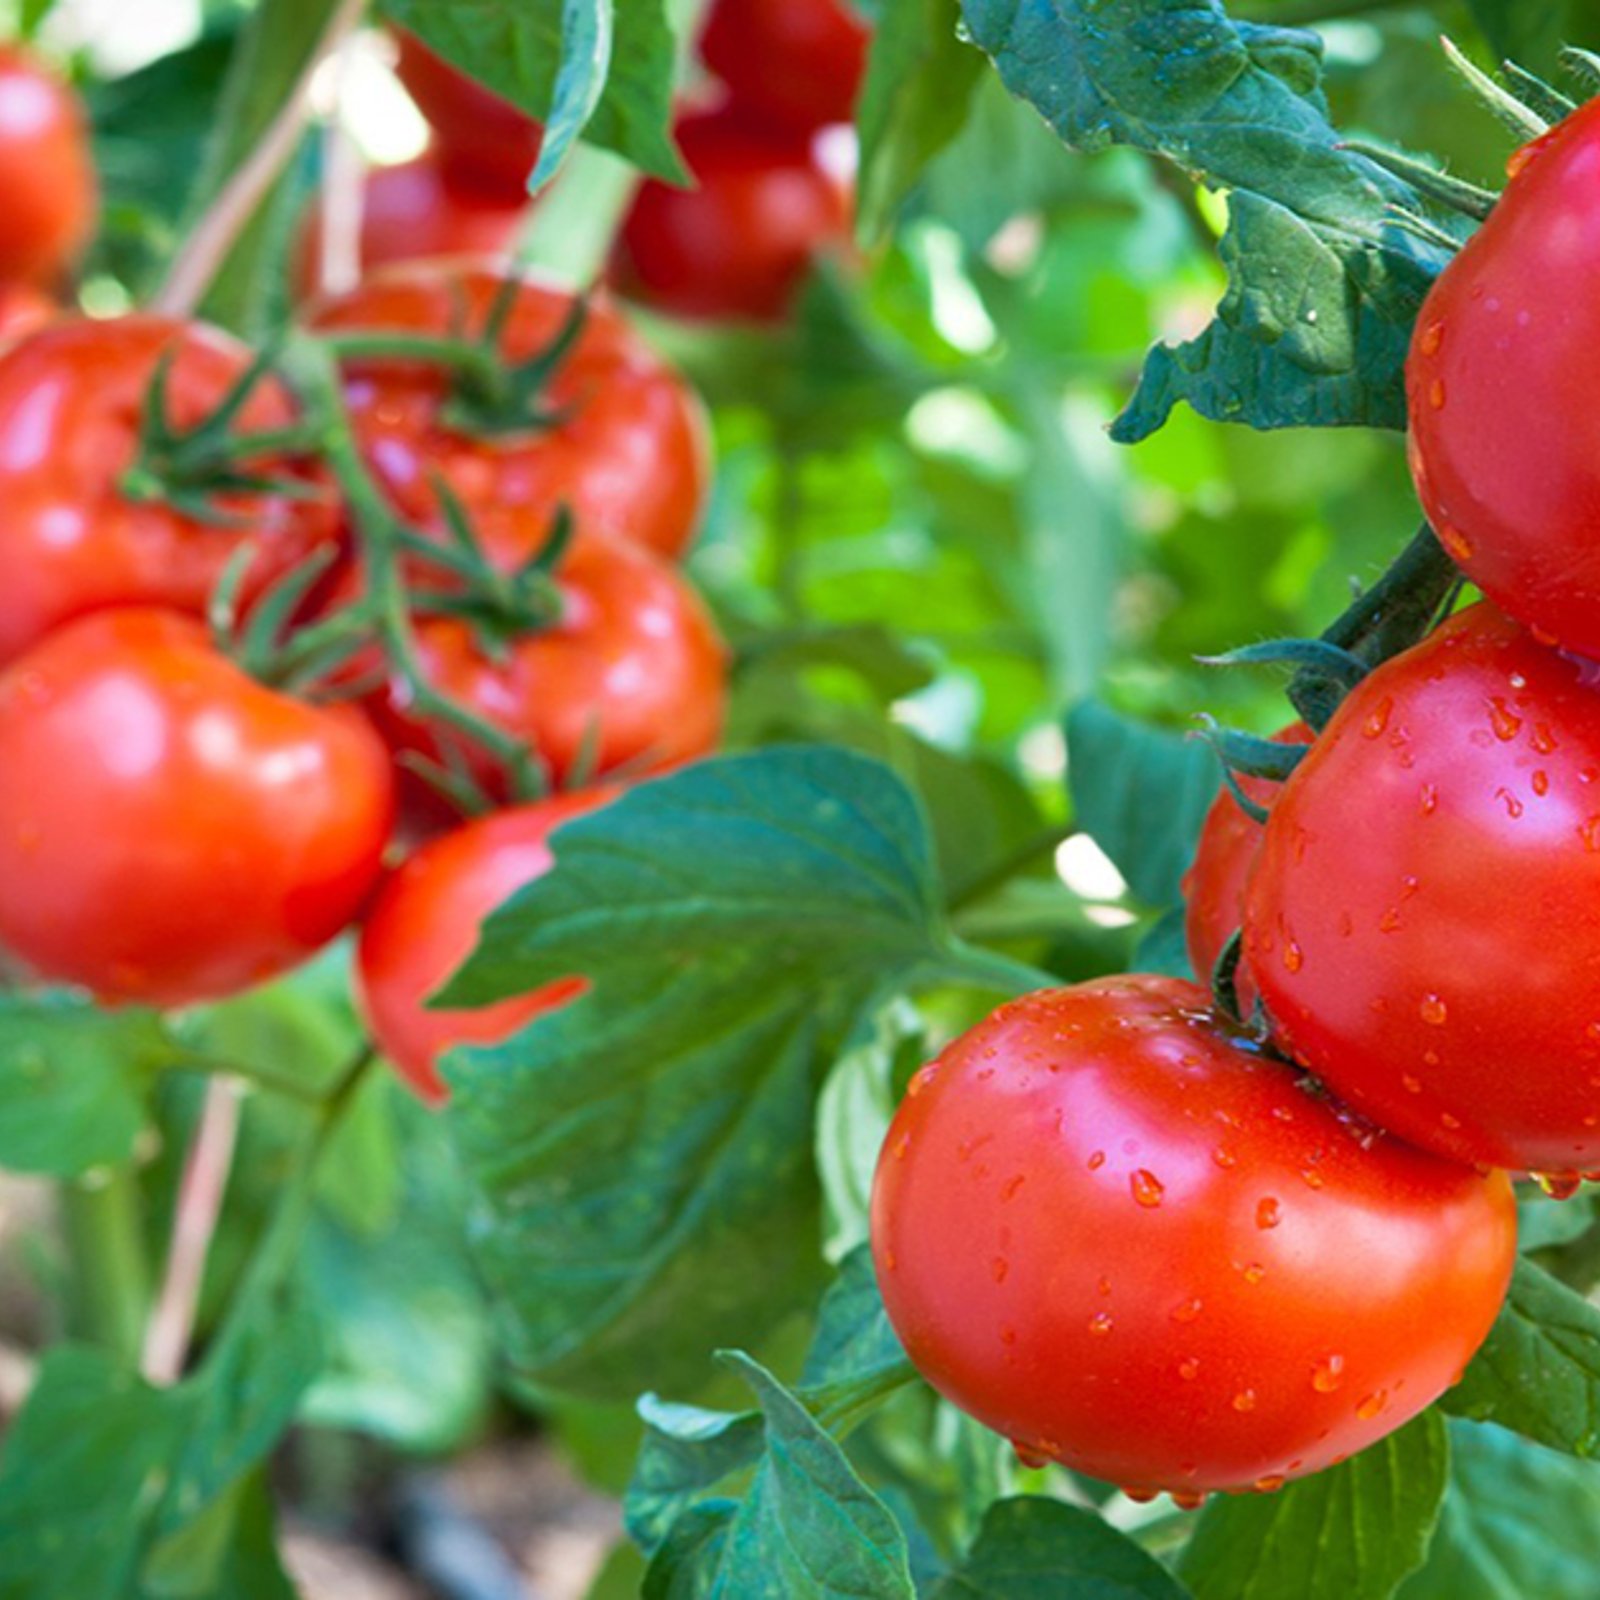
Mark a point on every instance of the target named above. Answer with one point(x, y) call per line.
point(170, 830)
point(626, 450)
point(414, 212)
point(795, 63)
point(425, 924)
point(1213, 887)
point(631, 677)
point(483, 140)
point(71, 541)
point(1421, 920)
point(46, 174)
point(1111, 1234)
point(740, 243)
point(1504, 444)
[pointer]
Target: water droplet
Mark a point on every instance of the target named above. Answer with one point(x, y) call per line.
point(1558, 1185)
point(1189, 1369)
point(1224, 1158)
point(1505, 722)
point(1293, 956)
point(1253, 1272)
point(1372, 1405)
point(1541, 783)
point(1030, 1455)
point(891, 1260)
point(1543, 740)
point(1436, 394)
point(1389, 922)
point(1141, 1497)
point(999, 1268)
point(1100, 1325)
point(1245, 1400)
point(1378, 718)
point(1104, 1286)
point(1409, 1084)
point(1432, 337)
point(1271, 1483)
point(1146, 1188)
point(921, 1081)
point(1591, 835)
point(901, 1145)
point(1512, 804)
point(1430, 799)
point(1446, 1120)
point(1313, 1178)
point(1188, 1311)
point(1433, 1011)
point(1097, 1160)
point(1268, 1213)
point(1008, 1336)
point(1327, 1375)
point(1188, 1499)
point(1455, 542)
point(1009, 1191)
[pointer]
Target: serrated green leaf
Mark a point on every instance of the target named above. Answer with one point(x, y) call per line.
point(74, 1081)
point(686, 1566)
point(1141, 794)
point(520, 51)
point(642, 1157)
point(1324, 286)
point(1037, 1549)
point(1538, 1372)
point(1353, 1532)
point(919, 85)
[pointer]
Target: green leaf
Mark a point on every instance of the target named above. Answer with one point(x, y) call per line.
point(1350, 1533)
point(1532, 32)
point(1324, 287)
point(919, 86)
point(1518, 1520)
point(74, 1081)
point(809, 1527)
point(1141, 794)
point(587, 30)
point(642, 1157)
point(530, 56)
point(1037, 1549)
point(230, 1553)
point(687, 1451)
point(1538, 1372)
point(687, 1566)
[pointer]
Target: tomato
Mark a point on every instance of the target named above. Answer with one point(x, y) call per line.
point(71, 541)
point(1504, 444)
point(170, 830)
point(483, 140)
point(23, 310)
point(46, 173)
point(1213, 887)
point(1116, 1237)
point(1421, 922)
point(425, 923)
point(741, 242)
point(631, 676)
point(413, 212)
point(625, 450)
point(795, 63)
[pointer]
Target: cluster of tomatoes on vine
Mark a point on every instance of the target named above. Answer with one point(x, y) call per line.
point(1189, 1242)
point(401, 587)
point(765, 198)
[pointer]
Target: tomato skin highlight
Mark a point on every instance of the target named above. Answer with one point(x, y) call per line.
point(1421, 920)
point(414, 212)
point(483, 141)
point(797, 64)
point(71, 541)
point(170, 830)
point(46, 173)
point(426, 921)
point(632, 676)
point(1214, 885)
point(628, 457)
point(1119, 1240)
point(1504, 442)
point(739, 244)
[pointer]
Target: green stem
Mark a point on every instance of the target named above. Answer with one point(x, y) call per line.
point(478, 363)
point(110, 1274)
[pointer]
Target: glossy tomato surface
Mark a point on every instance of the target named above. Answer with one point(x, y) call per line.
point(739, 244)
point(1213, 887)
point(47, 177)
point(24, 310)
point(1505, 441)
point(71, 540)
point(625, 449)
point(413, 212)
point(482, 139)
point(1421, 921)
point(631, 677)
point(1129, 1246)
point(170, 830)
point(795, 63)
point(426, 922)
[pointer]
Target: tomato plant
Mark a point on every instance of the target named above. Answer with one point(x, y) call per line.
point(1124, 1242)
point(798, 65)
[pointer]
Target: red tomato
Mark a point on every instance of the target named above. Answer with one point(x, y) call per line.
point(425, 924)
point(626, 452)
point(1505, 445)
point(483, 139)
point(795, 63)
point(740, 243)
point(46, 174)
point(170, 830)
point(412, 212)
point(1213, 887)
point(23, 310)
point(71, 399)
point(632, 675)
point(1111, 1234)
point(1421, 920)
